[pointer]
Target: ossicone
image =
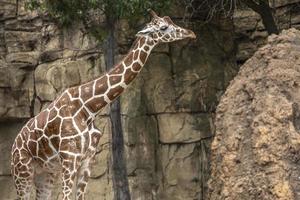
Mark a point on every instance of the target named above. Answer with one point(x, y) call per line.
point(152, 13)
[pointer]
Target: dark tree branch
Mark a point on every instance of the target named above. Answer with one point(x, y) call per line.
point(119, 171)
point(265, 11)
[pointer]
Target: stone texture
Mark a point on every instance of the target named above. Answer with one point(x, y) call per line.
point(7, 136)
point(194, 83)
point(52, 78)
point(27, 58)
point(8, 191)
point(185, 170)
point(250, 33)
point(183, 128)
point(16, 97)
point(255, 152)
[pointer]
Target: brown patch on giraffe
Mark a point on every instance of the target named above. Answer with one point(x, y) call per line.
point(73, 145)
point(70, 109)
point(80, 120)
point(81, 117)
point(24, 157)
point(30, 124)
point(101, 85)
point(63, 100)
point(42, 119)
point(52, 114)
point(115, 92)
point(167, 36)
point(19, 142)
point(19, 165)
point(115, 79)
point(129, 76)
point(146, 48)
point(23, 168)
point(65, 144)
point(24, 134)
point(80, 187)
point(53, 127)
point(32, 147)
point(143, 56)
point(78, 144)
point(95, 139)
point(87, 141)
point(24, 174)
point(44, 148)
point(129, 59)
point(136, 55)
point(155, 37)
point(33, 135)
point(55, 142)
point(67, 128)
point(159, 34)
point(36, 134)
point(150, 42)
point(74, 91)
point(136, 66)
point(87, 91)
point(117, 70)
point(142, 42)
point(96, 104)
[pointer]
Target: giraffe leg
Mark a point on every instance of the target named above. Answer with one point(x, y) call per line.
point(82, 179)
point(69, 172)
point(44, 185)
point(22, 171)
point(84, 171)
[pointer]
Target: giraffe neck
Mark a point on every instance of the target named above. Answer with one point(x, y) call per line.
point(98, 93)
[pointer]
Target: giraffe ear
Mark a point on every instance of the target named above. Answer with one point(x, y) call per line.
point(152, 13)
point(168, 19)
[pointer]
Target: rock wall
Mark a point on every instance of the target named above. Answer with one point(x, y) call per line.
point(255, 152)
point(166, 113)
point(250, 33)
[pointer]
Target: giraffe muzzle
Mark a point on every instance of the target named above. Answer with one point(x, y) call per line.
point(191, 34)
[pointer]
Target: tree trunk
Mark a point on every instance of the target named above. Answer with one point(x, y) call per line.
point(264, 10)
point(267, 17)
point(119, 171)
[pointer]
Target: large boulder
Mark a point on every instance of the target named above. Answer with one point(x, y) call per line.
point(255, 152)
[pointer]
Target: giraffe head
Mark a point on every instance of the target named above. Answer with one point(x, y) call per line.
point(163, 29)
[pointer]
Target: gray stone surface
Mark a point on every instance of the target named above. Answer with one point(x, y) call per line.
point(250, 33)
point(8, 131)
point(183, 127)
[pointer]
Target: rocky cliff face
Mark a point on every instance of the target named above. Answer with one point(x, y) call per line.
point(166, 112)
point(255, 152)
point(250, 33)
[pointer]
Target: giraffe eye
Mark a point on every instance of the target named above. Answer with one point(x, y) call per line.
point(163, 28)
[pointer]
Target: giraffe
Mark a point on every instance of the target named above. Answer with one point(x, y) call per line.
point(62, 138)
